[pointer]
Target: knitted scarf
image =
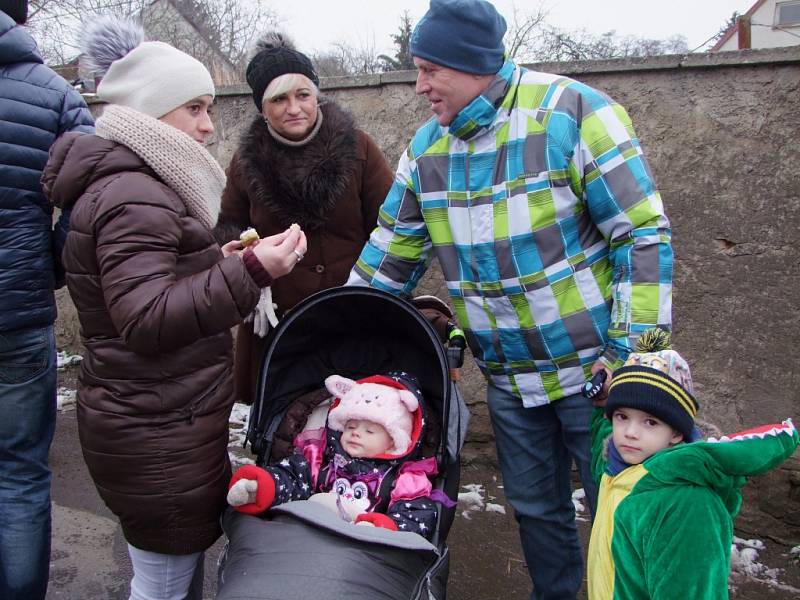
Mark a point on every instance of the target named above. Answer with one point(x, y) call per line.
point(183, 164)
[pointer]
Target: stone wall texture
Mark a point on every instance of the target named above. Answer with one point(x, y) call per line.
point(721, 134)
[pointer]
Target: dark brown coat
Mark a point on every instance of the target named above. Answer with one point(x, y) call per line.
point(156, 302)
point(332, 187)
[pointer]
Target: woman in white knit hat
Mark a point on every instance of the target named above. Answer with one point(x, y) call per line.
point(156, 299)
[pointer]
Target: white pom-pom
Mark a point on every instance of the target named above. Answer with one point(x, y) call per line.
point(108, 39)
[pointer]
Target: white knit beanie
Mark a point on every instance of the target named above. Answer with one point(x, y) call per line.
point(151, 77)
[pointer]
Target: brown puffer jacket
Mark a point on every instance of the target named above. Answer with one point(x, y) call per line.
point(332, 187)
point(156, 302)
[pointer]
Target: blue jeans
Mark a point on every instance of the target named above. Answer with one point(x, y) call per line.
point(536, 447)
point(166, 576)
point(27, 424)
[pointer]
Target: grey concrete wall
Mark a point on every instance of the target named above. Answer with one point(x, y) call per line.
point(721, 133)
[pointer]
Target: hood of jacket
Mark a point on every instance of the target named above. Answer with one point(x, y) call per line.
point(723, 464)
point(77, 160)
point(301, 184)
point(16, 44)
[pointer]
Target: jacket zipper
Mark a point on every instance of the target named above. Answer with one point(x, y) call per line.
point(192, 408)
point(424, 582)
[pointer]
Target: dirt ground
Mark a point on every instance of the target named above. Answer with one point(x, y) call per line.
point(90, 560)
point(488, 562)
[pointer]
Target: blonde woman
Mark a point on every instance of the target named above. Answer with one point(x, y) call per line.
point(302, 160)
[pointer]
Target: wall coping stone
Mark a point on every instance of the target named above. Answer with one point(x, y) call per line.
point(697, 60)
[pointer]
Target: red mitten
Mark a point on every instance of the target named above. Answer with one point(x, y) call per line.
point(265, 493)
point(377, 519)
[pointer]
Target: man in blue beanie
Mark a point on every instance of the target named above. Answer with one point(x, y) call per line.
point(36, 106)
point(534, 194)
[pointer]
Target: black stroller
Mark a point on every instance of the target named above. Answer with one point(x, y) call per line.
point(302, 551)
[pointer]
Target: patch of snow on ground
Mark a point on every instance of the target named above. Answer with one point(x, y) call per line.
point(744, 565)
point(237, 433)
point(497, 508)
point(238, 425)
point(238, 460)
point(577, 501)
point(64, 360)
point(65, 398)
point(471, 500)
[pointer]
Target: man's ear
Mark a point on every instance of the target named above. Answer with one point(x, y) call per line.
point(677, 438)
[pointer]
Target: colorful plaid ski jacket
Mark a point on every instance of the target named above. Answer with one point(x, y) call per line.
point(541, 208)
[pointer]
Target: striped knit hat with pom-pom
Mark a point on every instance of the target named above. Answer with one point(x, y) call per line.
point(656, 379)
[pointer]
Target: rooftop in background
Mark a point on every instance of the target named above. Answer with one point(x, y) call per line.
point(766, 24)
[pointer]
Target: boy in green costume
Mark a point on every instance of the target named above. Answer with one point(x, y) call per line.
point(664, 523)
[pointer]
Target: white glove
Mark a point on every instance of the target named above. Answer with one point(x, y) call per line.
point(243, 492)
point(263, 315)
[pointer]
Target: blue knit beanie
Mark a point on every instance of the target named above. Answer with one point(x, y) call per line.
point(466, 35)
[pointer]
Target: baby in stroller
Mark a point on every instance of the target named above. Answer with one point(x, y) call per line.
point(300, 550)
point(364, 465)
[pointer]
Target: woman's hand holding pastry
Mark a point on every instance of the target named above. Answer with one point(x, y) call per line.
point(231, 247)
point(280, 253)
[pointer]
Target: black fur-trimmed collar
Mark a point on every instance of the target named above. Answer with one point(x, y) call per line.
point(300, 184)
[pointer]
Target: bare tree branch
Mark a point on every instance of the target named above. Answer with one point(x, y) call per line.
point(219, 33)
point(345, 59)
point(521, 29)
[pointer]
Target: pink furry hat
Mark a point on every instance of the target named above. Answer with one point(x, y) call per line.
point(379, 399)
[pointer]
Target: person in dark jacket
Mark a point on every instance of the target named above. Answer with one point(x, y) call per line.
point(36, 106)
point(301, 160)
point(156, 298)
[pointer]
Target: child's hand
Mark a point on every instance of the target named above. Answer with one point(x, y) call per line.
point(243, 492)
point(254, 480)
point(376, 519)
point(366, 523)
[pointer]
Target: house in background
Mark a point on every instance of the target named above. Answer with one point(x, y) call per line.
point(176, 22)
point(179, 23)
point(70, 71)
point(767, 24)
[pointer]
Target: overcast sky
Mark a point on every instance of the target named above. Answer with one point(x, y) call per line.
point(316, 24)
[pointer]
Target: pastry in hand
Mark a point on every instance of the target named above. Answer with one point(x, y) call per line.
point(248, 237)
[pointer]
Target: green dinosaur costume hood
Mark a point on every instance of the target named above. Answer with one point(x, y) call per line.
point(722, 464)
